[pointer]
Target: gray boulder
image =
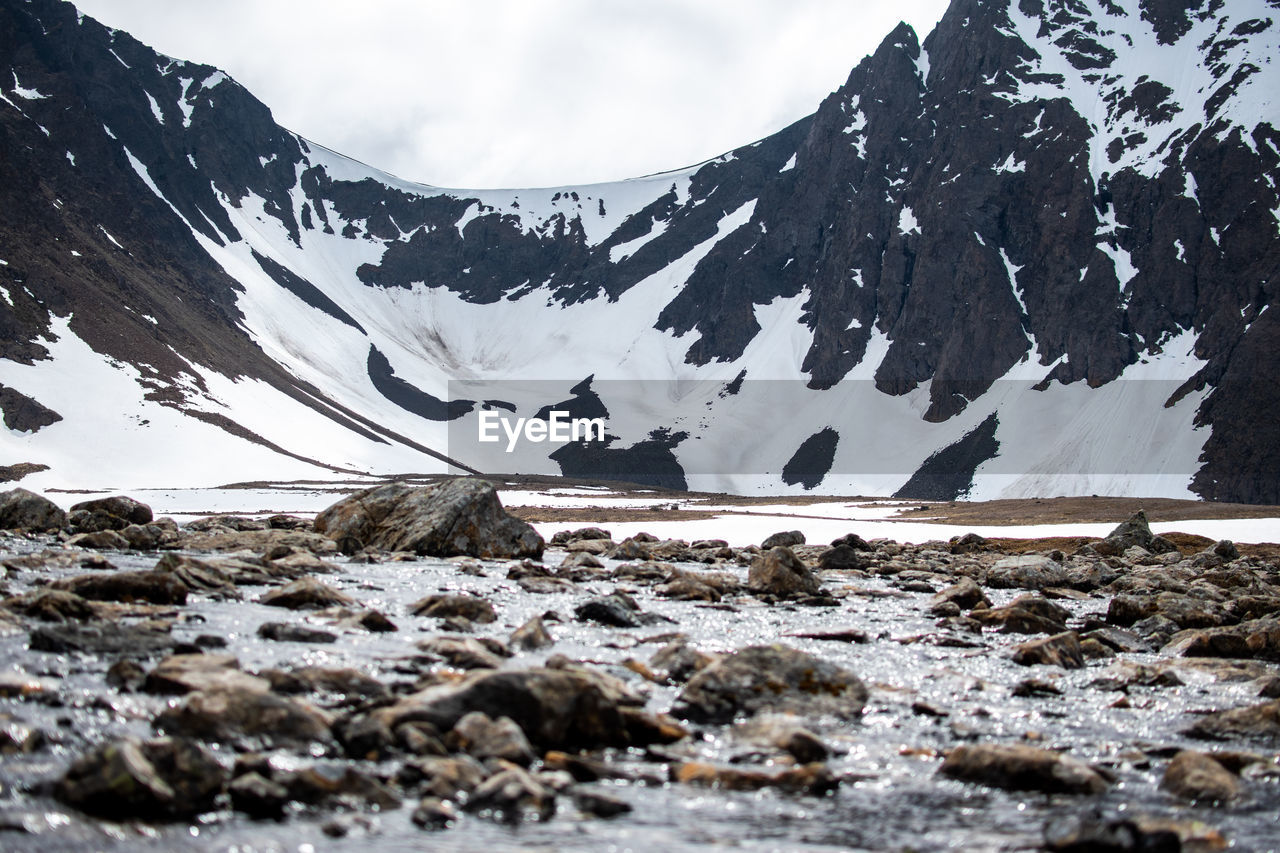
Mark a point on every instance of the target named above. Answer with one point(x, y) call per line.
point(163, 778)
point(770, 678)
point(1030, 571)
point(455, 517)
point(779, 572)
point(555, 708)
point(1018, 767)
point(113, 513)
point(24, 510)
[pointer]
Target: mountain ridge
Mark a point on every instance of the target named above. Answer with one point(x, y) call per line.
point(1020, 200)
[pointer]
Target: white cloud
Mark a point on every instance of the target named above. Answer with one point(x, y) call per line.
point(526, 92)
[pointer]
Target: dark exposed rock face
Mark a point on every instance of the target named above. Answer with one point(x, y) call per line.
point(461, 516)
point(960, 202)
point(23, 414)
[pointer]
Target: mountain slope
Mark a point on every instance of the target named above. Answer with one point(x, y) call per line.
point(1052, 225)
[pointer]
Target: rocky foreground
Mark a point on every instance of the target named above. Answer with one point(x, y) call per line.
point(416, 661)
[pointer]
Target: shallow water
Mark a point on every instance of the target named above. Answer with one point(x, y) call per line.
point(891, 799)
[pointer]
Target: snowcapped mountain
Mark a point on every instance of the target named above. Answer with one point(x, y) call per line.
point(1033, 255)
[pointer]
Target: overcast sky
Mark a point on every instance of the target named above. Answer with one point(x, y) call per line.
point(518, 93)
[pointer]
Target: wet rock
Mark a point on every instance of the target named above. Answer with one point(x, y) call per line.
point(101, 540)
point(337, 784)
point(18, 737)
point(540, 585)
point(434, 813)
point(179, 674)
point(306, 594)
point(214, 580)
point(531, 636)
point(469, 607)
point(617, 610)
point(149, 586)
point(1059, 650)
point(297, 562)
point(162, 778)
point(770, 678)
point(965, 594)
point(1093, 833)
point(1036, 687)
point(455, 517)
point(1258, 639)
point(555, 708)
point(781, 731)
point(779, 572)
point(1255, 722)
point(835, 635)
point(512, 795)
point(238, 714)
point(420, 738)
point(113, 513)
point(687, 588)
point(482, 737)
point(102, 639)
point(258, 796)
point(1027, 614)
point(1116, 638)
point(462, 652)
point(1029, 571)
point(597, 804)
point(291, 632)
point(52, 605)
point(447, 778)
point(21, 509)
point(787, 538)
point(126, 675)
point(678, 661)
point(1017, 767)
point(344, 681)
point(814, 779)
point(1198, 776)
